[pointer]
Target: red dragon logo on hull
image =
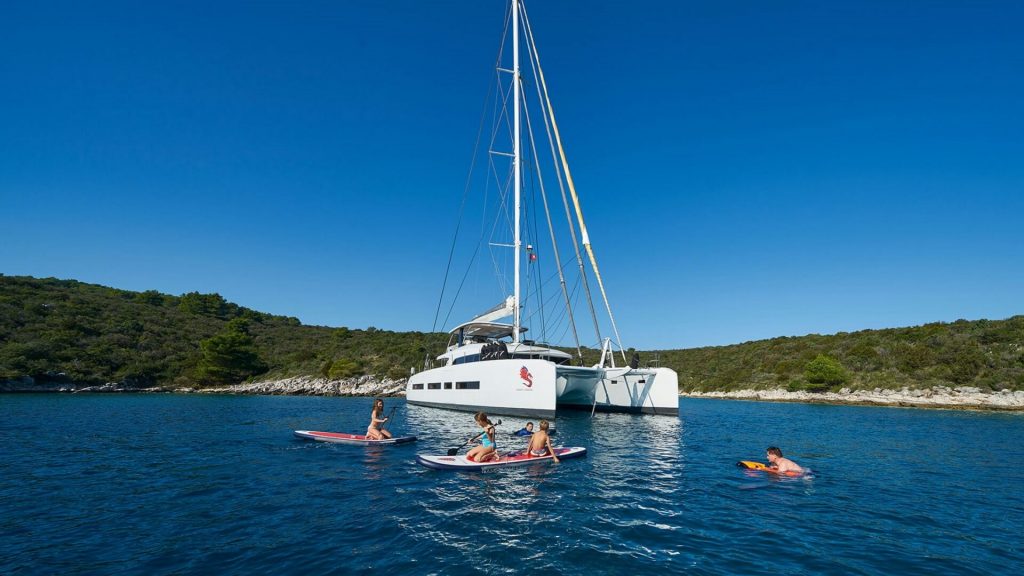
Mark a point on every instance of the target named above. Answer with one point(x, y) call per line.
point(526, 376)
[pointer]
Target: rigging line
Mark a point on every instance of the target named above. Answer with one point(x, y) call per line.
point(554, 274)
point(533, 266)
point(563, 315)
point(503, 209)
point(551, 227)
point(490, 158)
point(539, 74)
point(505, 187)
point(565, 311)
point(502, 194)
point(462, 283)
point(547, 301)
point(469, 176)
point(503, 203)
point(500, 115)
point(462, 206)
point(503, 114)
point(572, 190)
point(551, 298)
point(485, 209)
point(576, 295)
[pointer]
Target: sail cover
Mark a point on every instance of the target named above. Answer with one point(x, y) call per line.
point(503, 310)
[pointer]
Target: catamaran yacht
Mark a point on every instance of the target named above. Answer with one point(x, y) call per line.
point(489, 365)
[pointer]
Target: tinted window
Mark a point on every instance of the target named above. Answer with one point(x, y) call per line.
point(467, 359)
point(417, 386)
point(434, 386)
point(467, 385)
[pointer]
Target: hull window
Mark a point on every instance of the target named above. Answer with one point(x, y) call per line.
point(447, 385)
point(417, 386)
point(467, 385)
point(434, 386)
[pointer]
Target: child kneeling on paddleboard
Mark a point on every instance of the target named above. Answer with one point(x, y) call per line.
point(486, 449)
point(540, 443)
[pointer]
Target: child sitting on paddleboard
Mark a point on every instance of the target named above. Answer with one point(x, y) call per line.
point(377, 419)
point(525, 431)
point(540, 443)
point(486, 449)
point(782, 465)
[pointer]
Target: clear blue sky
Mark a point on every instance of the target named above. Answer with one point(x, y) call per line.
point(749, 169)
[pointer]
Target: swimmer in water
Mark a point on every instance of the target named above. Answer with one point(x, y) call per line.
point(777, 463)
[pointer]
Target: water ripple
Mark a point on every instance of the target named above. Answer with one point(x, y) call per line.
point(184, 485)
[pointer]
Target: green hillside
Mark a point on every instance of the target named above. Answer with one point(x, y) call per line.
point(986, 354)
point(66, 330)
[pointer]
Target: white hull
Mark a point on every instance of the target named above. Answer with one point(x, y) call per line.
point(645, 391)
point(502, 387)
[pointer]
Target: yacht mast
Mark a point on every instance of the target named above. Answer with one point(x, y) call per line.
point(515, 163)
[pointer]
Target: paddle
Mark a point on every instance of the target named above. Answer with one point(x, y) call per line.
point(387, 421)
point(454, 451)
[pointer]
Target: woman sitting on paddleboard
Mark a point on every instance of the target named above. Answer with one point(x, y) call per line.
point(486, 449)
point(377, 419)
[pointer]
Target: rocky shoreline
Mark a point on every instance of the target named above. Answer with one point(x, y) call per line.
point(297, 386)
point(310, 386)
point(960, 398)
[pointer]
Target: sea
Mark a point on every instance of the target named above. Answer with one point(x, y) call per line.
point(201, 484)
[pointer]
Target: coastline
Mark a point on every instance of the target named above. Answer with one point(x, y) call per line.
point(295, 386)
point(311, 386)
point(938, 397)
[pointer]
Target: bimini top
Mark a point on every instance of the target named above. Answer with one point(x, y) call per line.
point(483, 330)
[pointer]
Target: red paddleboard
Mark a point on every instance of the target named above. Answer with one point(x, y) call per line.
point(444, 462)
point(342, 438)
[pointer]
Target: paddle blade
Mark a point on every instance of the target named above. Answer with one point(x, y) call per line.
point(453, 451)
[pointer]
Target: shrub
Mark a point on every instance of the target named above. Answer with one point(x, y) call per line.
point(826, 370)
point(344, 368)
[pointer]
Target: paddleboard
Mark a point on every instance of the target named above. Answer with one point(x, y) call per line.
point(444, 462)
point(760, 467)
point(342, 438)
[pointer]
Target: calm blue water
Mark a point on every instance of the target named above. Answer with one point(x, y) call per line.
point(166, 484)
